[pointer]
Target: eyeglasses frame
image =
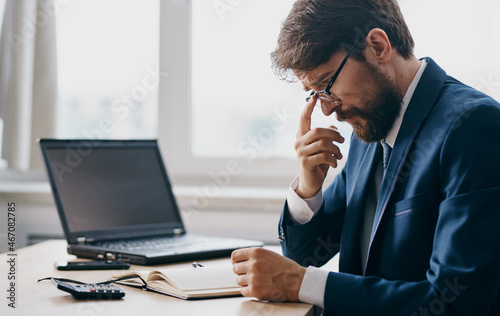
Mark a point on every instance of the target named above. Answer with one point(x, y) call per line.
point(330, 84)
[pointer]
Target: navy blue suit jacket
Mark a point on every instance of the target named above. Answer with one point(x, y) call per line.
point(435, 245)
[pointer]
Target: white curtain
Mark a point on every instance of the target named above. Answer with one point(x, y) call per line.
point(28, 80)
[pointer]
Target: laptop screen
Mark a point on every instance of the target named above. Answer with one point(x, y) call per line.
point(111, 185)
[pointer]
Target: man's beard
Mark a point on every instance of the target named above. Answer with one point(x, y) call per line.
point(379, 111)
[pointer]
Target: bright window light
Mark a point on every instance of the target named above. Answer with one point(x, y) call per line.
point(108, 54)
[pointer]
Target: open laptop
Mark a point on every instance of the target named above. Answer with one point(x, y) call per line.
point(115, 202)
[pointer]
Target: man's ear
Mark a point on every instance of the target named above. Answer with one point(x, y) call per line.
point(378, 48)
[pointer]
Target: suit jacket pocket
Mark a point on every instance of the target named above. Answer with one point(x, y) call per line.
point(410, 205)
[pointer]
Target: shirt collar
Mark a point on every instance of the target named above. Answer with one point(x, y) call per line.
point(391, 137)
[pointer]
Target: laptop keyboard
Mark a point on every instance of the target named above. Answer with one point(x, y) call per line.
point(153, 243)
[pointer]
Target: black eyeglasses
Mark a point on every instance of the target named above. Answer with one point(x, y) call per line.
point(325, 94)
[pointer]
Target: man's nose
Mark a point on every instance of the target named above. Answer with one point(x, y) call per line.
point(327, 107)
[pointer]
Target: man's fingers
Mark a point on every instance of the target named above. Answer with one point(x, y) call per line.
point(244, 254)
point(242, 279)
point(240, 267)
point(305, 117)
point(319, 140)
point(321, 146)
point(239, 255)
point(318, 133)
point(267, 275)
point(322, 158)
point(245, 291)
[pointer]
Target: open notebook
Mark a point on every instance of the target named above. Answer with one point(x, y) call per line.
point(186, 283)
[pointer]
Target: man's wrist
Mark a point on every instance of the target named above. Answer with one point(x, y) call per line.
point(302, 210)
point(305, 193)
point(313, 286)
point(294, 296)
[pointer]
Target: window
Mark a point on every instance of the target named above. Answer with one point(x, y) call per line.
point(245, 111)
point(231, 111)
point(108, 68)
point(221, 98)
point(461, 43)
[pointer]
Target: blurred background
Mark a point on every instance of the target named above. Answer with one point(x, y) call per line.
point(196, 75)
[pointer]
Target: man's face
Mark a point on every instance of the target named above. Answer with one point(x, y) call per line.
point(371, 101)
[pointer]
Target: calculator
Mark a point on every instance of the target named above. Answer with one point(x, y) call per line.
point(90, 291)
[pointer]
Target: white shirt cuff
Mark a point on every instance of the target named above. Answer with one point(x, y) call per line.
point(312, 289)
point(302, 210)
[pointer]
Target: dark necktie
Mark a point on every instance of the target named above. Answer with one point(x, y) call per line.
point(387, 153)
point(371, 202)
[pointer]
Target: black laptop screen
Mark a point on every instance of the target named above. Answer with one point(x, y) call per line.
point(112, 187)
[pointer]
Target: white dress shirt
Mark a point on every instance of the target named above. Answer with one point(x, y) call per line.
point(312, 289)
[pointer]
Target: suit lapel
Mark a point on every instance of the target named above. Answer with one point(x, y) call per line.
point(420, 106)
point(351, 259)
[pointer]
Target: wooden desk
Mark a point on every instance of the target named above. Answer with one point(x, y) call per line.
point(32, 298)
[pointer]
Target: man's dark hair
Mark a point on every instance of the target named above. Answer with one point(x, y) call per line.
point(316, 29)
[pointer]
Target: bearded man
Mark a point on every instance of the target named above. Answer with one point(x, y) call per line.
point(415, 212)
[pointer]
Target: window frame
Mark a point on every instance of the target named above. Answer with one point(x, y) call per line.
point(174, 132)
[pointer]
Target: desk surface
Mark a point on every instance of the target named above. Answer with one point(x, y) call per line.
point(32, 298)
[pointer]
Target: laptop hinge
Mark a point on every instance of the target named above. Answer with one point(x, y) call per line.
point(177, 231)
point(80, 240)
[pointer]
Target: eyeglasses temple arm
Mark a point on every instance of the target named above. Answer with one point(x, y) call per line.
point(330, 84)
